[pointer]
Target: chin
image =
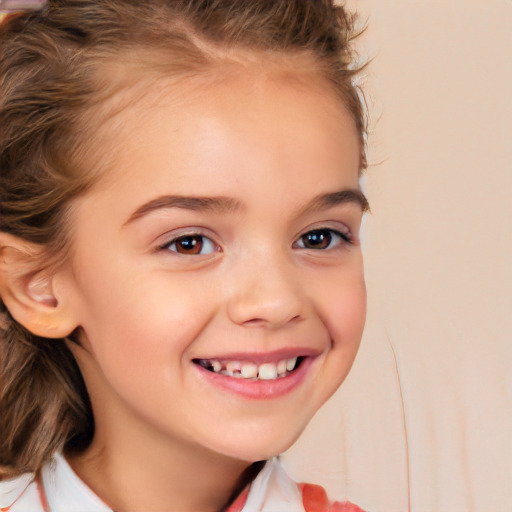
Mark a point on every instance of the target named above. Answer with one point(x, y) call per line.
point(261, 445)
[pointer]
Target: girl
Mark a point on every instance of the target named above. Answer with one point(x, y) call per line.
point(180, 269)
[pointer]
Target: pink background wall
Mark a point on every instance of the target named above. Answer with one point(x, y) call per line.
point(439, 271)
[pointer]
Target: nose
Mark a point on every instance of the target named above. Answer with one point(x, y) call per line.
point(266, 293)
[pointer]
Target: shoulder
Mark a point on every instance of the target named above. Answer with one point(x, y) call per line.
point(315, 499)
point(20, 494)
point(58, 489)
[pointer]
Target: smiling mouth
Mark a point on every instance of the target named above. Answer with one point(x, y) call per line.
point(251, 371)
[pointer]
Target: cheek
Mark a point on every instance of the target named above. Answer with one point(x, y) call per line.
point(135, 323)
point(344, 317)
point(344, 309)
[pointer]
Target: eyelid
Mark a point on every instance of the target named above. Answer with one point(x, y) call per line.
point(336, 226)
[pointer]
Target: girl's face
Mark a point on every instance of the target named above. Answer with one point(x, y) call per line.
point(217, 272)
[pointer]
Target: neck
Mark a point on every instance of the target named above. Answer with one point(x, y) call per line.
point(131, 476)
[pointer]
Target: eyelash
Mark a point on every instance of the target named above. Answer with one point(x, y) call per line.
point(197, 241)
point(191, 237)
point(343, 238)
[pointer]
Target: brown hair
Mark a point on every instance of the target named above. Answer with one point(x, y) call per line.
point(51, 81)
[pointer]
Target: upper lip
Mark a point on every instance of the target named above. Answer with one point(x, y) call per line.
point(265, 357)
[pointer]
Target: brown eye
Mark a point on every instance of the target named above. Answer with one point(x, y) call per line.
point(318, 239)
point(322, 239)
point(191, 245)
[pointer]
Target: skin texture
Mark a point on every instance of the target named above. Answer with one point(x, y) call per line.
point(164, 433)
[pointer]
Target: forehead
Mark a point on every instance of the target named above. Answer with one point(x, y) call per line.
point(239, 131)
point(271, 145)
point(247, 101)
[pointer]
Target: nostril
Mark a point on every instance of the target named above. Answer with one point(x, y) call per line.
point(254, 322)
point(260, 322)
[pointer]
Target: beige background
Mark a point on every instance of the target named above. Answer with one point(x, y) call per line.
point(424, 421)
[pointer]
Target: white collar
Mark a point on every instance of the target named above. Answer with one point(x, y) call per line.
point(271, 491)
point(66, 492)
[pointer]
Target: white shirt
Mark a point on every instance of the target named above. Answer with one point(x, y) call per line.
point(272, 491)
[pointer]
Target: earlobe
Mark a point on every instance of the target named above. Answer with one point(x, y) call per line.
point(28, 289)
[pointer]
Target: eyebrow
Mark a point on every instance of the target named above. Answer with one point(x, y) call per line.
point(222, 204)
point(332, 199)
point(219, 204)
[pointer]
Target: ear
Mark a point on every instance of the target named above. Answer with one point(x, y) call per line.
point(34, 293)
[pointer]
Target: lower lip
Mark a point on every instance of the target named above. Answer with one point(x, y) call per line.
point(258, 389)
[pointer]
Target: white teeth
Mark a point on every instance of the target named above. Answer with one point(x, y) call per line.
point(281, 368)
point(290, 363)
point(249, 370)
point(267, 371)
point(234, 366)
